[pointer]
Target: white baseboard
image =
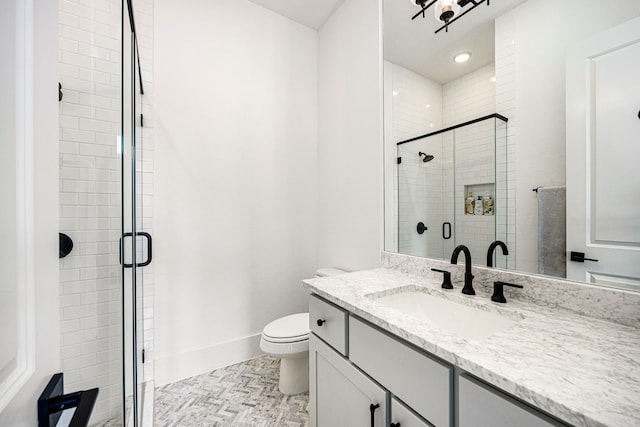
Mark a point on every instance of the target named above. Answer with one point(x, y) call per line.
point(174, 368)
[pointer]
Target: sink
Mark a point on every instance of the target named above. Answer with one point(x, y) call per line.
point(467, 321)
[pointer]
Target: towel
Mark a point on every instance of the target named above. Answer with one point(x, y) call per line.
point(552, 231)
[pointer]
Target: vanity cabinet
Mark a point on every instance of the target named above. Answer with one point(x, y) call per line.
point(355, 365)
point(420, 381)
point(482, 405)
point(340, 394)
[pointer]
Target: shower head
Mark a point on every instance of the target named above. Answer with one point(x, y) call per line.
point(426, 158)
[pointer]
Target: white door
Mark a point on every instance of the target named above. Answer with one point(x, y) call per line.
point(29, 294)
point(603, 158)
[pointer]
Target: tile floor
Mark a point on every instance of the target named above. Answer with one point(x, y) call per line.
point(245, 394)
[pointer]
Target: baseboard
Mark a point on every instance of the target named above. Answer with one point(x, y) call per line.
point(185, 365)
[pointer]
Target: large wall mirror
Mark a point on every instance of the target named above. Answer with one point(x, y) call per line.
point(533, 140)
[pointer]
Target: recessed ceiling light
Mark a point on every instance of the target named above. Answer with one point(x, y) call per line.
point(395, 92)
point(428, 106)
point(493, 79)
point(462, 57)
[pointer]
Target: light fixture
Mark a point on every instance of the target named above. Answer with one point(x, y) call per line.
point(446, 11)
point(462, 57)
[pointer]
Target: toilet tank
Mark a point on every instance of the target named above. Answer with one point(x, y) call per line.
point(324, 272)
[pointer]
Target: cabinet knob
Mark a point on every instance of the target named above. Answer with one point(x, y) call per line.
point(394, 425)
point(320, 322)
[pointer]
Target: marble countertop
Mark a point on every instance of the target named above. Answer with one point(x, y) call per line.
point(582, 370)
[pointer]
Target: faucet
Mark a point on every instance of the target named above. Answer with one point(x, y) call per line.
point(468, 277)
point(492, 247)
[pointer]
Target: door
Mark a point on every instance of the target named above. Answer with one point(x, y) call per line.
point(29, 289)
point(603, 148)
point(340, 394)
point(135, 243)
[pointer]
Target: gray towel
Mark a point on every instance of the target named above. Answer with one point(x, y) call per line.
point(552, 231)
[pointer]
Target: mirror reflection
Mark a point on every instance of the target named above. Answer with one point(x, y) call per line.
point(521, 60)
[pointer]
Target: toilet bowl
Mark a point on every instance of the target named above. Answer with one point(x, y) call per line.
point(288, 339)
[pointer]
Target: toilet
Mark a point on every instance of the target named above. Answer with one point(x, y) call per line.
point(288, 339)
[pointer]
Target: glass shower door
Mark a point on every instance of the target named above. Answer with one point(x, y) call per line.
point(135, 243)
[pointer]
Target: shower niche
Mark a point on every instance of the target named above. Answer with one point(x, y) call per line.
point(437, 173)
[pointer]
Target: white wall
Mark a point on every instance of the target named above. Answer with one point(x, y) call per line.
point(539, 96)
point(235, 120)
point(21, 411)
point(350, 137)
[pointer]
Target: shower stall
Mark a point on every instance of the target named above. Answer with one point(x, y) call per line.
point(105, 209)
point(453, 189)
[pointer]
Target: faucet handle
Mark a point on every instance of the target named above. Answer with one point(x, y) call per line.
point(446, 280)
point(498, 287)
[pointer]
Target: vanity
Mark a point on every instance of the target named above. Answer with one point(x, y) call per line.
point(380, 355)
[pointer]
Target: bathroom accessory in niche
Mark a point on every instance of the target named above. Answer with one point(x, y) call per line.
point(480, 199)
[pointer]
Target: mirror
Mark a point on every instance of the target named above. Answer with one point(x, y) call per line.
point(519, 53)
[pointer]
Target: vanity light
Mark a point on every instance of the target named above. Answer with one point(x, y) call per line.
point(462, 57)
point(445, 11)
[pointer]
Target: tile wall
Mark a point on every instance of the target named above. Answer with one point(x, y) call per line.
point(416, 110)
point(466, 98)
point(505, 68)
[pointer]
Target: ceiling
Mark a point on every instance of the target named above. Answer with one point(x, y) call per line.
point(312, 13)
point(410, 43)
point(413, 44)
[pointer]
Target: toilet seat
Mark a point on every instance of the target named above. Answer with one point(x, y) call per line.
point(288, 335)
point(292, 328)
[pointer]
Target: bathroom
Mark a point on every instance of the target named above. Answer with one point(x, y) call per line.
point(262, 156)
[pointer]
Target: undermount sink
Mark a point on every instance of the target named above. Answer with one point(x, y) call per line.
point(467, 321)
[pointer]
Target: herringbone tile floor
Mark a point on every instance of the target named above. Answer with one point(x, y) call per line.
point(245, 394)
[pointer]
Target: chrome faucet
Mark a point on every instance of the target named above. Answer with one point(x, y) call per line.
point(468, 277)
point(492, 247)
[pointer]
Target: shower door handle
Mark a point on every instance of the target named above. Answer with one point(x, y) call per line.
point(446, 230)
point(144, 263)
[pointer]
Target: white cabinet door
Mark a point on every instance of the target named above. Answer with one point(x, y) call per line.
point(340, 394)
point(480, 406)
point(603, 177)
